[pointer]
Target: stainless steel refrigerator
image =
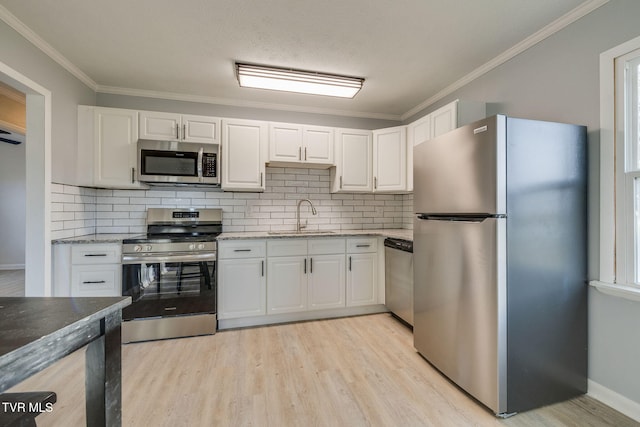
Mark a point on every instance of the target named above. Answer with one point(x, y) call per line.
point(500, 260)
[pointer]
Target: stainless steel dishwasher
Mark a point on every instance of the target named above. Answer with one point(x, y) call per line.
point(398, 278)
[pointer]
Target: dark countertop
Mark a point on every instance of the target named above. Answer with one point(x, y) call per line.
point(96, 238)
point(36, 328)
point(399, 233)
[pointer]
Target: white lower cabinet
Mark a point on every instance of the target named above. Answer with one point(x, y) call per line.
point(87, 270)
point(305, 274)
point(288, 279)
point(241, 278)
point(326, 282)
point(362, 271)
point(286, 284)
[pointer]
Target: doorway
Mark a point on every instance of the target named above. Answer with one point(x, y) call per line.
point(37, 166)
point(13, 111)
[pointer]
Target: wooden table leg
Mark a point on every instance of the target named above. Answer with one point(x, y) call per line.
point(103, 375)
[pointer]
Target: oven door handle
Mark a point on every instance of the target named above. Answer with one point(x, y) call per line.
point(168, 257)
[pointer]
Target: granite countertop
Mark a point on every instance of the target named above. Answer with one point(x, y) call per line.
point(398, 233)
point(97, 238)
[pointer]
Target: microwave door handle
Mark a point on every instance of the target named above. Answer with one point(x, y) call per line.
point(200, 157)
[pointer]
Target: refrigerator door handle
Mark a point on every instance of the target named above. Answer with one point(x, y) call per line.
point(460, 218)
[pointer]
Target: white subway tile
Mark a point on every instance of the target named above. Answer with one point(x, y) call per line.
point(57, 188)
point(161, 194)
point(129, 193)
point(70, 189)
point(62, 198)
point(129, 208)
point(112, 200)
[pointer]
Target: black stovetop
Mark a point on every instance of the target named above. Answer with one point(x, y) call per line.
point(170, 238)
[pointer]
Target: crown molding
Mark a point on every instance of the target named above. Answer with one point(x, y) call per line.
point(241, 103)
point(13, 94)
point(12, 127)
point(547, 31)
point(45, 47)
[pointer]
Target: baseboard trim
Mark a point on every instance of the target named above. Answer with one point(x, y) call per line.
point(615, 400)
point(11, 266)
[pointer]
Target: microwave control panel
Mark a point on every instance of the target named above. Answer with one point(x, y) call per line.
point(209, 165)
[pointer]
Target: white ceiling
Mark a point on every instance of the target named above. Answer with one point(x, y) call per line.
point(407, 50)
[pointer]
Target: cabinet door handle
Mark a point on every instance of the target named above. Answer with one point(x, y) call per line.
point(305, 266)
point(242, 250)
point(262, 267)
point(375, 183)
point(184, 131)
point(299, 153)
point(133, 175)
point(177, 131)
point(261, 175)
point(311, 265)
point(363, 246)
point(341, 181)
point(349, 263)
point(305, 154)
point(91, 282)
point(95, 254)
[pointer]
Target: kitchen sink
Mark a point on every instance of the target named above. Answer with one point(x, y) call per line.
point(299, 233)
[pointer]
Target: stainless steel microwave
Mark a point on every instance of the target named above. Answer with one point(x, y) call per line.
point(166, 162)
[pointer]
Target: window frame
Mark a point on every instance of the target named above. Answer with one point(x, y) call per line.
point(614, 250)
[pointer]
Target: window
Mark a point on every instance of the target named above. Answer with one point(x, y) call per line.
point(620, 171)
point(627, 169)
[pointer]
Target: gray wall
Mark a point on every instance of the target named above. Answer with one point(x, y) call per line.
point(558, 80)
point(153, 104)
point(67, 93)
point(12, 204)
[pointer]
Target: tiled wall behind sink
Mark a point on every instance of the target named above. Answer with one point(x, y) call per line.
point(77, 211)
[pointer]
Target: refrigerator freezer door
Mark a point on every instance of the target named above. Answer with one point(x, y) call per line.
point(460, 303)
point(462, 171)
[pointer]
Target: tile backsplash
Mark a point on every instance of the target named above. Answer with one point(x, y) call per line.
point(78, 211)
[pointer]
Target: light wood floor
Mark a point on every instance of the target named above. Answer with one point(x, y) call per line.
point(359, 371)
point(11, 283)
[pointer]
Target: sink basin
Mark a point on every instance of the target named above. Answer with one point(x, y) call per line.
point(299, 233)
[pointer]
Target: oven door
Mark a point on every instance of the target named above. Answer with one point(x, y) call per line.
point(163, 285)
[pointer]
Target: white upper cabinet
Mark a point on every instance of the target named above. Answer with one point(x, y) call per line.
point(318, 144)
point(298, 144)
point(445, 119)
point(179, 127)
point(390, 159)
point(244, 146)
point(200, 129)
point(354, 161)
point(417, 132)
point(285, 142)
point(107, 139)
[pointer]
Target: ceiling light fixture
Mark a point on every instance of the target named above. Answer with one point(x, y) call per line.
point(288, 80)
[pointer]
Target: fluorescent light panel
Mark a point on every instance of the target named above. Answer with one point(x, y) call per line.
point(288, 80)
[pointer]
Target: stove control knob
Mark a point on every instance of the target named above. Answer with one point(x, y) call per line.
point(192, 246)
point(147, 248)
point(137, 248)
point(200, 246)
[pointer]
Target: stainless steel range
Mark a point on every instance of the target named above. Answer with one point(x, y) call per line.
point(170, 275)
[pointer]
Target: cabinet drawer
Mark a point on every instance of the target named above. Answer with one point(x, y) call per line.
point(326, 246)
point(362, 245)
point(96, 254)
point(95, 281)
point(241, 249)
point(287, 247)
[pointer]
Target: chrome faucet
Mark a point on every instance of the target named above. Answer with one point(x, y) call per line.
point(299, 227)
